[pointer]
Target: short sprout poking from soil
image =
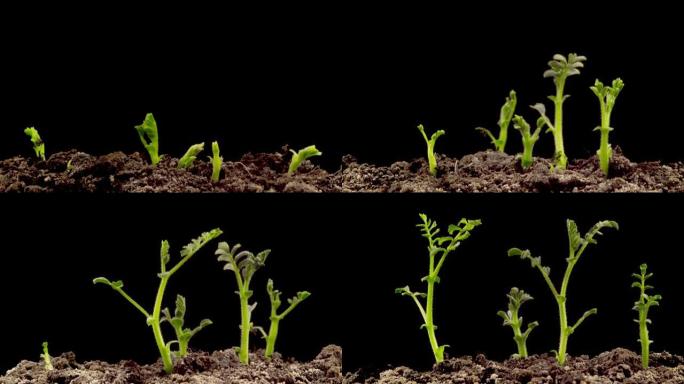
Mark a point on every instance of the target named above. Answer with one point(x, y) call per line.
point(487, 171)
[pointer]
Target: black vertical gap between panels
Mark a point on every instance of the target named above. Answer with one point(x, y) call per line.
point(350, 251)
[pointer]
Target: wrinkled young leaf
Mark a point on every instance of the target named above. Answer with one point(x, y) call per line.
point(199, 242)
point(190, 156)
point(114, 284)
point(299, 157)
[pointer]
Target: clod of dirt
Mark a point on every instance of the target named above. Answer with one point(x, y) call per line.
point(487, 171)
point(198, 367)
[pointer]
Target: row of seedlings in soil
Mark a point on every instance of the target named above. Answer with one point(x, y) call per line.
point(243, 264)
point(441, 245)
point(149, 136)
point(560, 68)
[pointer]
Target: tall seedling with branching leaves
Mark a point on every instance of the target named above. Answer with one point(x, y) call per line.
point(243, 264)
point(645, 302)
point(147, 131)
point(274, 297)
point(516, 298)
point(154, 319)
point(528, 139)
point(38, 144)
point(578, 245)
point(560, 69)
point(505, 117)
point(439, 247)
point(432, 161)
point(607, 96)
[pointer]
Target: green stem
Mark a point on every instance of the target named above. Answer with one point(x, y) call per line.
point(429, 322)
point(604, 149)
point(154, 321)
point(517, 334)
point(245, 327)
point(561, 158)
point(272, 336)
point(564, 331)
point(643, 337)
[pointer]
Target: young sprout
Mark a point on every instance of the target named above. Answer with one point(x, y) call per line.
point(274, 296)
point(216, 162)
point(607, 96)
point(183, 335)
point(439, 247)
point(577, 246)
point(243, 264)
point(190, 156)
point(149, 137)
point(38, 144)
point(560, 69)
point(299, 157)
point(505, 117)
point(154, 319)
point(516, 298)
point(642, 306)
point(47, 359)
point(528, 139)
point(432, 161)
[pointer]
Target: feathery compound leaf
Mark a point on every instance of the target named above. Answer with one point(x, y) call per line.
point(114, 284)
point(596, 230)
point(299, 157)
point(164, 252)
point(199, 242)
point(190, 156)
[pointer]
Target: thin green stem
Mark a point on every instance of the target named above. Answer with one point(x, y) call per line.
point(272, 336)
point(155, 322)
point(245, 328)
point(561, 158)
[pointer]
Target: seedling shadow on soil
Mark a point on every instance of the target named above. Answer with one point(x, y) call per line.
point(619, 365)
point(486, 171)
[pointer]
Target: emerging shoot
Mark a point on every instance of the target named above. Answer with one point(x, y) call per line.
point(505, 117)
point(577, 245)
point(149, 137)
point(216, 162)
point(299, 157)
point(274, 296)
point(560, 69)
point(439, 247)
point(154, 318)
point(432, 161)
point(47, 359)
point(38, 144)
point(642, 306)
point(516, 298)
point(243, 264)
point(607, 96)
point(528, 139)
point(190, 156)
point(183, 335)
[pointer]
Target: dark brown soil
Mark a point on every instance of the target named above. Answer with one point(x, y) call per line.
point(616, 366)
point(201, 368)
point(266, 172)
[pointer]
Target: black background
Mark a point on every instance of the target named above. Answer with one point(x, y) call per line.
point(350, 79)
point(350, 251)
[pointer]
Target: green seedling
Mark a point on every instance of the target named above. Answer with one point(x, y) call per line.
point(216, 162)
point(154, 319)
point(439, 247)
point(560, 69)
point(577, 244)
point(149, 137)
point(183, 335)
point(528, 139)
point(516, 298)
point(243, 264)
point(645, 302)
point(505, 117)
point(274, 296)
point(190, 156)
point(38, 144)
point(299, 157)
point(47, 359)
point(607, 96)
point(432, 161)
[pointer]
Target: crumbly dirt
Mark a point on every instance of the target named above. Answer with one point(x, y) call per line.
point(197, 368)
point(616, 366)
point(487, 171)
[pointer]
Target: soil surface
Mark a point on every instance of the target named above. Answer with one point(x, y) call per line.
point(616, 366)
point(487, 171)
